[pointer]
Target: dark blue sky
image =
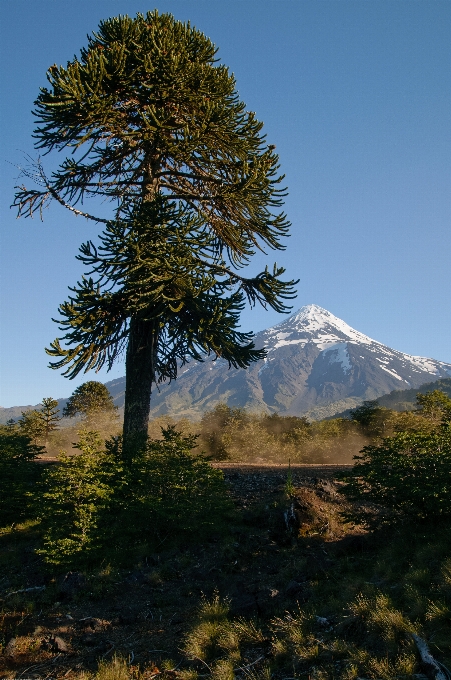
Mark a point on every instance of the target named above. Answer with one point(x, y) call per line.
point(355, 95)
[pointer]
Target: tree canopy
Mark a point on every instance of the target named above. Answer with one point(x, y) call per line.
point(88, 399)
point(154, 125)
point(38, 424)
point(435, 405)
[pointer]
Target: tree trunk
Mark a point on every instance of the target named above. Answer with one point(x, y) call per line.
point(140, 366)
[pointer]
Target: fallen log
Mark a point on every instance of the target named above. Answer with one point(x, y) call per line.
point(25, 590)
point(432, 668)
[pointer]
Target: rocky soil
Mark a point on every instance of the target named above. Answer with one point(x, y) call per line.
point(286, 531)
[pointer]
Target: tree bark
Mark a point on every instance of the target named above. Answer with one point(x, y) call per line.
point(140, 372)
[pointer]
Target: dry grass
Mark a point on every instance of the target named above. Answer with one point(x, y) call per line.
point(322, 600)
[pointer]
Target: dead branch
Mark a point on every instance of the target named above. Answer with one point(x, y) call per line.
point(25, 590)
point(433, 669)
point(244, 668)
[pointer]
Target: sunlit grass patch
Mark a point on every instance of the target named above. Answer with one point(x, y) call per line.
point(219, 642)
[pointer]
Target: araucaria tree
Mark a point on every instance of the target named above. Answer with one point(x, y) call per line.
point(88, 400)
point(49, 415)
point(40, 424)
point(155, 126)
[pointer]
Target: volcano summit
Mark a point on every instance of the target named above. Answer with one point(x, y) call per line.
point(316, 365)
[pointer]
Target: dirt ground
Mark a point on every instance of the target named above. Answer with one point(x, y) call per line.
point(64, 624)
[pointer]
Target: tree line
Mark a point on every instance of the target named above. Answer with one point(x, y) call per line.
point(98, 503)
point(235, 434)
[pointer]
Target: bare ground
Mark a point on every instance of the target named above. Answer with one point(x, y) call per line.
point(265, 565)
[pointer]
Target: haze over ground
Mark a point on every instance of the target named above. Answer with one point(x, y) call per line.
point(356, 98)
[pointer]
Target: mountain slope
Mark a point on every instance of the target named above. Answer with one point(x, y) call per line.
point(316, 365)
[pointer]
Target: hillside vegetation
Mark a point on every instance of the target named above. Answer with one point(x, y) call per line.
point(236, 435)
point(406, 400)
point(165, 566)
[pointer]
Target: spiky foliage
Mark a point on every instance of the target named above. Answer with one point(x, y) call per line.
point(89, 399)
point(156, 126)
point(406, 477)
point(94, 505)
point(160, 266)
point(49, 416)
point(18, 476)
point(32, 425)
point(38, 424)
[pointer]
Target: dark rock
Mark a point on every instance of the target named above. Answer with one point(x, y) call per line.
point(89, 640)
point(10, 648)
point(243, 605)
point(301, 592)
point(55, 644)
point(92, 625)
point(322, 621)
point(293, 588)
point(71, 583)
point(58, 644)
point(328, 488)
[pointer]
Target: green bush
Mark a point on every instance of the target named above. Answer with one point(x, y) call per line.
point(407, 476)
point(435, 405)
point(99, 506)
point(18, 476)
point(168, 490)
point(235, 434)
point(77, 498)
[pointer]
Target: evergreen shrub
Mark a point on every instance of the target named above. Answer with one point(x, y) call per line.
point(18, 476)
point(169, 490)
point(406, 477)
point(77, 497)
point(100, 505)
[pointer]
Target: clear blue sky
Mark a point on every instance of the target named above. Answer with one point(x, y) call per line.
point(355, 95)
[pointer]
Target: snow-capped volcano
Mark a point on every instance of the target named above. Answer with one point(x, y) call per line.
point(334, 337)
point(316, 364)
point(314, 324)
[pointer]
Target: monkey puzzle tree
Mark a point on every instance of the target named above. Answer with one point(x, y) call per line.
point(39, 424)
point(88, 400)
point(156, 127)
point(32, 425)
point(49, 415)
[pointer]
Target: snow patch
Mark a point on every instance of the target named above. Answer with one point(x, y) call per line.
point(395, 375)
point(325, 341)
point(424, 364)
point(282, 343)
point(263, 367)
point(339, 354)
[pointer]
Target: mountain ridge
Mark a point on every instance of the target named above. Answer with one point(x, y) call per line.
point(316, 365)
